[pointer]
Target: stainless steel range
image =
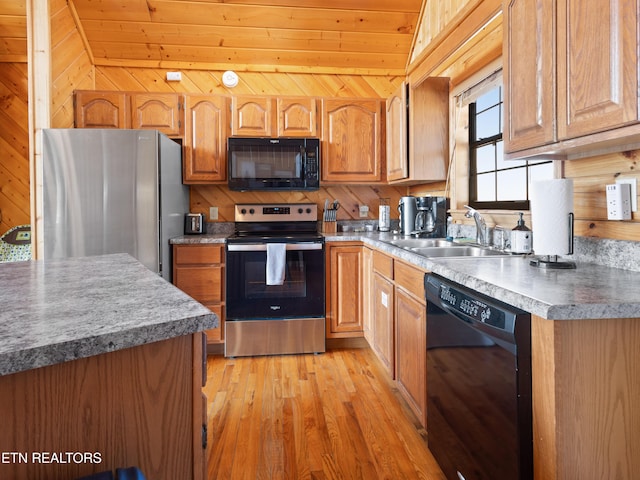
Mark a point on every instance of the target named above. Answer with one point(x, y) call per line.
point(275, 281)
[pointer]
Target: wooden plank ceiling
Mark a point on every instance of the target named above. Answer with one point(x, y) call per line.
point(333, 36)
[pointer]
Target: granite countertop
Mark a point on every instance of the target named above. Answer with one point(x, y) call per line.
point(198, 239)
point(591, 291)
point(52, 311)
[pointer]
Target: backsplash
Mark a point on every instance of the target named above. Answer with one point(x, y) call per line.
point(602, 251)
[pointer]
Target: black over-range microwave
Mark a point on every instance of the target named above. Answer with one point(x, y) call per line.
point(261, 163)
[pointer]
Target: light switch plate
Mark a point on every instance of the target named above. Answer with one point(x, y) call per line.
point(213, 213)
point(174, 76)
point(364, 211)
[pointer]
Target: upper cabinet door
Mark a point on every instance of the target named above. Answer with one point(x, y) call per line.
point(598, 65)
point(397, 139)
point(206, 131)
point(297, 117)
point(351, 141)
point(429, 130)
point(570, 77)
point(252, 116)
point(101, 110)
point(529, 75)
point(158, 111)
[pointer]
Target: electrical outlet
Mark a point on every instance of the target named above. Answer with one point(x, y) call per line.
point(213, 213)
point(364, 211)
point(634, 191)
point(619, 201)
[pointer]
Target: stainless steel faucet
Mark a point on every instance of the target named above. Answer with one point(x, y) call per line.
point(481, 226)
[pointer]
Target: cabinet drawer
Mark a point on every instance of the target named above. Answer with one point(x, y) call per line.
point(216, 335)
point(197, 254)
point(410, 279)
point(202, 283)
point(383, 264)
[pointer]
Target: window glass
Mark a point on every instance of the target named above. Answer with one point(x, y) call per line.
point(493, 181)
point(511, 184)
point(486, 185)
point(486, 158)
point(488, 123)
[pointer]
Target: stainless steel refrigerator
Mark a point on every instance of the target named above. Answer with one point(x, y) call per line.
point(112, 191)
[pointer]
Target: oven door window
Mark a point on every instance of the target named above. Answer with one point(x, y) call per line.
point(301, 295)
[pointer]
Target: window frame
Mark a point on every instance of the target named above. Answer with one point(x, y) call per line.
point(475, 145)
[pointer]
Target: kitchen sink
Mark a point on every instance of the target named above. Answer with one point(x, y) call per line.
point(457, 251)
point(411, 243)
point(440, 247)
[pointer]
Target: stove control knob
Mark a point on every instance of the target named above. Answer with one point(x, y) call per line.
point(243, 211)
point(252, 211)
point(308, 210)
point(300, 210)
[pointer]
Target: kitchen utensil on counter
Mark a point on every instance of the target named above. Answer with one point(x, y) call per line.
point(330, 216)
point(521, 237)
point(408, 208)
point(194, 223)
point(384, 215)
point(552, 219)
point(425, 221)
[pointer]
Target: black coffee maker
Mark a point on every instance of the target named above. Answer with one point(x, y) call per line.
point(431, 217)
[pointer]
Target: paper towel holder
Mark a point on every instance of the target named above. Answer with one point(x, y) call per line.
point(551, 261)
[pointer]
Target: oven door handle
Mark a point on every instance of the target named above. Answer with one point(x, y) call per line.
point(262, 247)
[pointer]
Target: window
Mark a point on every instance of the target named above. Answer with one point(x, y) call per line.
point(493, 182)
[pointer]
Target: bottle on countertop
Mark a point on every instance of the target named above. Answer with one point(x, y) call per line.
point(521, 237)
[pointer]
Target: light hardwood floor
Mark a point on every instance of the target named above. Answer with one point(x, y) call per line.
point(329, 416)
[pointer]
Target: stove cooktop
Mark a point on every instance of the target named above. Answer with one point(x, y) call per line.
point(276, 222)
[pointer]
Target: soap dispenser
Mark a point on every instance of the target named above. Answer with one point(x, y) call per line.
point(521, 237)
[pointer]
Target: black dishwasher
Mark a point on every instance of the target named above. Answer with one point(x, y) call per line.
point(479, 418)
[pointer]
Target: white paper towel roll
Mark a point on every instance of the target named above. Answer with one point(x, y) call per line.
point(551, 204)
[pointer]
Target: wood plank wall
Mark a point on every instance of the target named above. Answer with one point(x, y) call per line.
point(73, 70)
point(252, 83)
point(14, 146)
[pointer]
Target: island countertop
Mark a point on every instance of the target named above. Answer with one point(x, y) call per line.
point(53, 311)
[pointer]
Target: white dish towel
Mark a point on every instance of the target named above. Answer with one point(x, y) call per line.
point(276, 261)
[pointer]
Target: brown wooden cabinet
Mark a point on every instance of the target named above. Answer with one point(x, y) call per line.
point(101, 109)
point(157, 111)
point(198, 270)
point(269, 116)
point(384, 311)
point(565, 100)
point(344, 289)
point(252, 116)
point(411, 338)
point(141, 406)
point(297, 116)
point(352, 141)
point(417, 120)
point(206, 132)
point(428, 130)
point(367, 297)
point(397, 122)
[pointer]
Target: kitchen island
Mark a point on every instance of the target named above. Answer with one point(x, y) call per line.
point(101, 366)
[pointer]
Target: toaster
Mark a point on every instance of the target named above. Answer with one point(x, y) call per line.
point(193, 223)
